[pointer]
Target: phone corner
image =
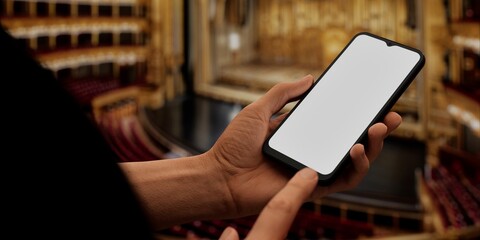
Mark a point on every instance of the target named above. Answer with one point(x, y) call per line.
point(325, 180)
point(422, 57)
point(361, 33)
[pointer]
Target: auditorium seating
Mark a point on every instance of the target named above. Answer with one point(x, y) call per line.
point(453, 191)
point(116, 115)
point(84, 90)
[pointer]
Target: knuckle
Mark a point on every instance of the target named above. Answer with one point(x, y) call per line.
point(282, 88)
point(297, 185)
point(249, 108)
point(280, 204)
point(252, 109)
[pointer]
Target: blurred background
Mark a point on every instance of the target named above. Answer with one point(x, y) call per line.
point(163, 78)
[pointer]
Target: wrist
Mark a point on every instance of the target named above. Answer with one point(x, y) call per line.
point(219, 176)
point(180, 190)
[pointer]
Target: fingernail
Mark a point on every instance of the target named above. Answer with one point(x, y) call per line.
point(309, 76)
point(228, 234)
point(308, 173)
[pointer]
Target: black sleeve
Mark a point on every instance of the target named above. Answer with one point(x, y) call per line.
point(63, 181)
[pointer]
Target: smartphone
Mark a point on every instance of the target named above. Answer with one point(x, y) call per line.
point(355, 91)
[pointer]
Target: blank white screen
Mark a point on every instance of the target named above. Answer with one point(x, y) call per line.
point(332, 117)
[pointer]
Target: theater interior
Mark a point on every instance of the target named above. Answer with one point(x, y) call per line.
point(163, 78)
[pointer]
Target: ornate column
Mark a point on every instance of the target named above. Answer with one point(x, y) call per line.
point(51, 9)
point(9, 7)
point(167, 7)
point(115, 9)
point(155, 66)
point(202, 52)
point(33, 43)
point(116, 37)
point(32, 9)
point(52, 41)
point(94, 10)
point(74, 8)
point(74, 39)
point(172, 46)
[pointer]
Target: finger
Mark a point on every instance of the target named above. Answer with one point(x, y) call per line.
point(229, 234)
point(392, 120)
point(281, 94)
point(376, 134)
point(276, 218)
point(360, 167)
point(352, 175)
point(275, 122)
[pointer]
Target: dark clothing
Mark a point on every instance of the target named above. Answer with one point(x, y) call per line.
point(63, 180)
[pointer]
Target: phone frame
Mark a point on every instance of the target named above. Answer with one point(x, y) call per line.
point(329, 178)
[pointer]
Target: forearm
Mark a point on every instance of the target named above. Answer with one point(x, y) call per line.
point(179, 190)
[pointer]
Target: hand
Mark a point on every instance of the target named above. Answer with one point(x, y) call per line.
point(251, 179)
point(275, 219)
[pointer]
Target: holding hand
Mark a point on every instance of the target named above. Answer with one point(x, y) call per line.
point(251, 179)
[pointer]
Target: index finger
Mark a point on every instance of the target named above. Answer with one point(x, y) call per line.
point(276, 218)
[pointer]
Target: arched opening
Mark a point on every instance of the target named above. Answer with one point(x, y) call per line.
point(105, 39)
point(127, 38)
point(62, 9)
point(20, 8)
point(84, 10)
point(42, 9)
point(126, 11)
point(63, 41)
point(43, 43)
point(105, 10)
point(85, 40)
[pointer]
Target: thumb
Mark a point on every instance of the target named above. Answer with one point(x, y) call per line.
point(281, 94)
point(229, 234)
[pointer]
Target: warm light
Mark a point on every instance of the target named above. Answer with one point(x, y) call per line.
point(122, 58)
point(472, 43)
point(234, 41)
point(466, 117)
point(59, 29)
point(452, 109)
point(475, 125)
